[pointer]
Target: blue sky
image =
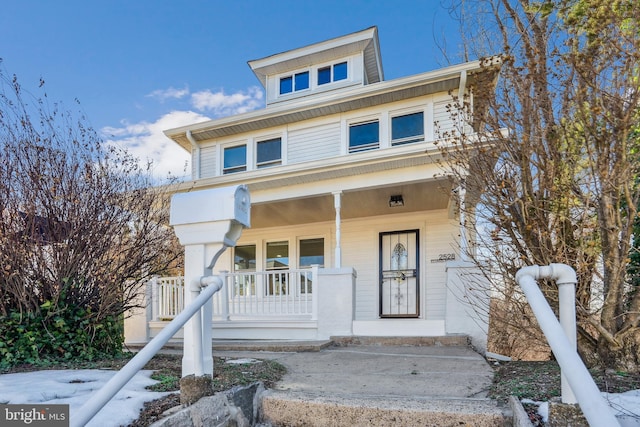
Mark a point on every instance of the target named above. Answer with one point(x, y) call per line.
point(139, 67)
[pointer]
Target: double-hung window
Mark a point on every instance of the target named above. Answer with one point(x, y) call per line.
point(332, 73)
point(235, 159)
point(364, 136)
point(407, 128)
point(269, 153)
point(244, 262)
point(311, 253)
point(294, 83)
point(277, 262)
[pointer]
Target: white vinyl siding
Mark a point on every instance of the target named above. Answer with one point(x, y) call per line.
point(208, 162)
point(443, 121)
point(314, 143)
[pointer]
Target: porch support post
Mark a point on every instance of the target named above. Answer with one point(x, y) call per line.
point(337, 203)
point(464, 239)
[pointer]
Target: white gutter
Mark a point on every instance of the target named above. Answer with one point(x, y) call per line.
point(195, 156)
point(562, 341)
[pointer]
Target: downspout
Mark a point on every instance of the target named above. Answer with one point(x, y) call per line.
point(463, 86)
point(195, 148)
point(563, 341)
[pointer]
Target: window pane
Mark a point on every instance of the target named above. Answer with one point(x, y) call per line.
point(245, 258)
point(340, 71)
point(410, 125)
point(324, 75)
point(269, 152)
point(277, 255)
point(311, 252)
point(235, 159)
point(302, 81)
point(363, 134)
point(286, 85)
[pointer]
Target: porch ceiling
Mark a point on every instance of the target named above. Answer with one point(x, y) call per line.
point(355, 204)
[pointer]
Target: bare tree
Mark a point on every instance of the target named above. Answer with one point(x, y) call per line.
point(81, 223)
point(558, 180)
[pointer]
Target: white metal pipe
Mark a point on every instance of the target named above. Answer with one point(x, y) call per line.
point(198, 363)
point(196, 157)
point(593, 405)
point(566, 279)
point(97, 401)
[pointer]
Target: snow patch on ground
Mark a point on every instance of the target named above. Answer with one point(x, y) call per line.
point(73, 387)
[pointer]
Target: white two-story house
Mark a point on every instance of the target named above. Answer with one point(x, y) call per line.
point(354, 231)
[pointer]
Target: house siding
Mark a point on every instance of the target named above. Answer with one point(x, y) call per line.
point(208, 159)
point(314, 142)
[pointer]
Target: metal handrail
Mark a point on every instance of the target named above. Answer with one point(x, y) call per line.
point(115, 384)
point(562, 340)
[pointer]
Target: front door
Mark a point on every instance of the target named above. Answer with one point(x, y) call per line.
point(399, 268)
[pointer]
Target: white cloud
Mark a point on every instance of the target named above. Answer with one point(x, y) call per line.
point(170, 93)
point(221, 104)
point(147, 142)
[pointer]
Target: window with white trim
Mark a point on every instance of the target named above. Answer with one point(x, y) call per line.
point(311, 252)
point(364, 136)
point(332, 73)
point(244, 261)
point(234, 159)
point(407, 128)
point(294, 83)
point(269, 153)
point(277, 258)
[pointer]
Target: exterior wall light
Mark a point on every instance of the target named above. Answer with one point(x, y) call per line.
point(395, 201)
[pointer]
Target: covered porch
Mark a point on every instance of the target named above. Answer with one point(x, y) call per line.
point(306, 304)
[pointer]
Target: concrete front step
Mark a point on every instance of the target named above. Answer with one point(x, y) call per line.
point(280, 408)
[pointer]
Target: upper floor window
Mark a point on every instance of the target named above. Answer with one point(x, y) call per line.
point(269, 152)
point(364, 136)
point(294, 83)
point(332, 73)
point(407, 128)
point(235, 159)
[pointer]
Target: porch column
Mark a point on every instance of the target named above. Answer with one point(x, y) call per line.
point(337, 203)
point(464, 239)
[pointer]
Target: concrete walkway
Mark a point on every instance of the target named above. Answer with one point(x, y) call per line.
point(379, 385)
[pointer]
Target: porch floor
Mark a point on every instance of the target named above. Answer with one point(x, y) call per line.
point(374, 381)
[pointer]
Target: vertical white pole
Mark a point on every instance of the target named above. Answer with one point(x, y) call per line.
point(567, 297)
point(337, 203)
point(464, 243)
point(194, 267)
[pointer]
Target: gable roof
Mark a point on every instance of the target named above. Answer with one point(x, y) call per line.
point(365, 41)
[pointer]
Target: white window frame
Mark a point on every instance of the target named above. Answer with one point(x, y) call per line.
point(410, 139)
point(292, 75)
point(223, 170)
point(362, 121)
point(265, 165)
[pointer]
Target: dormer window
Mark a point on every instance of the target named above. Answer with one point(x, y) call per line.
point(332, 73)
point(294, 83)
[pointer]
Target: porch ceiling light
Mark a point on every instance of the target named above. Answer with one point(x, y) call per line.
point(396, 200)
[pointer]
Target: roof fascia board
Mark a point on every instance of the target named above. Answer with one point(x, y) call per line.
point(448, 73)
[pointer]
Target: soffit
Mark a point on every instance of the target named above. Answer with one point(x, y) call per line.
point(422, 196)
point(368, 96)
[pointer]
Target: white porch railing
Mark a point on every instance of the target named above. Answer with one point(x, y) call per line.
point(274, 294)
